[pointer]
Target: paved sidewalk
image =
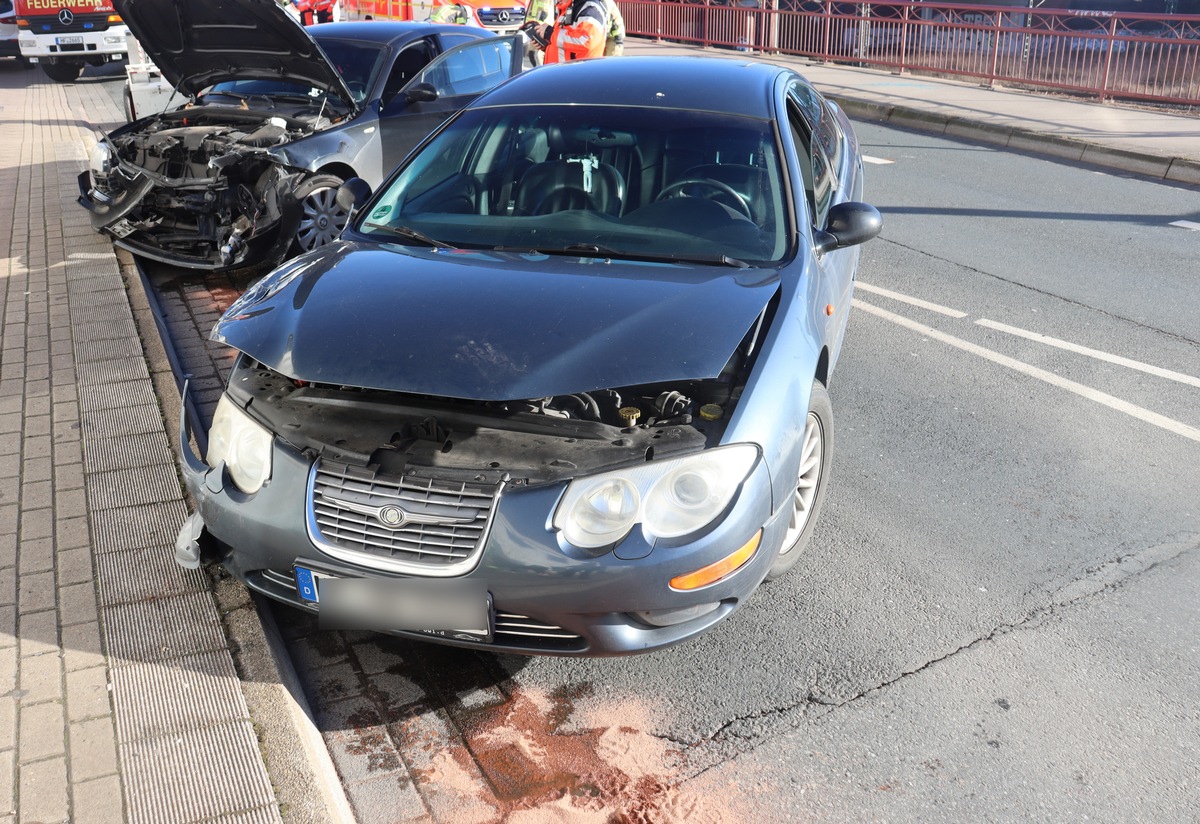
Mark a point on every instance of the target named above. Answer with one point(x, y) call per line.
point(119, 697)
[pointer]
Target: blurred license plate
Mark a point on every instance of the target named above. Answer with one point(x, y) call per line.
point(69, 41)
point(446, 609)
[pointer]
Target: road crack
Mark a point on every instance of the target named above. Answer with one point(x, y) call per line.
point(743, 733)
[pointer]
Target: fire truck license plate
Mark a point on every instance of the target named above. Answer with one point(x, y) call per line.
point(69, 41)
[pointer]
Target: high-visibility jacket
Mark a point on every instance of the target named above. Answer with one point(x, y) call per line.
point(539, 11)
point(450, 13)
point(614, 43)
point(579, 31)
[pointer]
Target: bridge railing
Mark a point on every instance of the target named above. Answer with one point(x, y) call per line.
point(1107, 54)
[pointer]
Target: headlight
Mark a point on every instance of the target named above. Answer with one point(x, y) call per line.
point(242, 444)
point(101, 160)
point(669, 498)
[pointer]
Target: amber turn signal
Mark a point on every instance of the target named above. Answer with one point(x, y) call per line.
point(114, 18)
point(716, 571)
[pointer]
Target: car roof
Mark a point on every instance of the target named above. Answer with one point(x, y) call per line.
point(741, 87)
point(387, 31)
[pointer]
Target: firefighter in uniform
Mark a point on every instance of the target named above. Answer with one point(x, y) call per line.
point(538, 11)
point(314, 11)
point(580, 29)
point(614, 43)
point(450, 13)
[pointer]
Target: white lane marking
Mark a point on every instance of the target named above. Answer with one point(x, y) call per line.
point(1186, 224)
point(923, 304)
point(878, 161)
point(1103, 398)
point(1091, 353)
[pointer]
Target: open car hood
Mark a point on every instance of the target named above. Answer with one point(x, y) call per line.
point(489, 326)
point(196, 43)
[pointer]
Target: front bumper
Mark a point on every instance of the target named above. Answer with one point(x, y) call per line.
point(545, 601)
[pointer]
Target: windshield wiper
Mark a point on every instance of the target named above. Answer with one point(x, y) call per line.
point(588, 249)
point(411, 234)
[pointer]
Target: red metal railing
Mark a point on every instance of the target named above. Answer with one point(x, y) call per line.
point(1109, 54)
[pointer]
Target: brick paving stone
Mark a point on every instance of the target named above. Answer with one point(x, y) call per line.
point(333, 683)
point(7, 763)
point(88, 693)
point(69, 502)
point(37, 495)
point(358, 740)
point(37, 555)
point(41, 678)
point(72, 532)
point(44, 792)
point(77, 603)
point(36, 592)
point(321, 649)
point(447, 776)
point(97, 801)
point(8, 670)
point(81, 646)
point(389, 799)
point(8, 586)
point(38, 523)
point(8, 724)
point(39, 632)
point(93, 748)
point(8, 627)
point(75, 566)
point(41, 730)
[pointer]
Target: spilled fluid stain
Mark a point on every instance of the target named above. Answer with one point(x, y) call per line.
point(612, 773)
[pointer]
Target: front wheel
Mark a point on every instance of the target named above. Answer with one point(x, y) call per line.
point(321, 218)
point(63, 72)
point(808, 492)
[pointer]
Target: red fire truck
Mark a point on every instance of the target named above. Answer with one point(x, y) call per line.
point(63, 36)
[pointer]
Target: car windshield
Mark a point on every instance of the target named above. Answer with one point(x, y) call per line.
point(617, 181)
point(357, 62)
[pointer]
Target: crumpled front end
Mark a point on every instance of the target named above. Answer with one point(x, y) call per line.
point(196, 189)
point(350, 484)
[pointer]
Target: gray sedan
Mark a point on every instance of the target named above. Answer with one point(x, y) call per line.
point(561, 386)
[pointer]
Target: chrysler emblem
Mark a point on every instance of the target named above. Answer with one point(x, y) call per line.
point(502, 16)
point(65, 17)
point(391, 516)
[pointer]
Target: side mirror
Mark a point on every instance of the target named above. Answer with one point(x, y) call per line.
point(422, 93)
point(849, 224)
point(352, 194)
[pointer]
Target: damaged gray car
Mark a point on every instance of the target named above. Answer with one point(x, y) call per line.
point(561, 387)
point(274, 118)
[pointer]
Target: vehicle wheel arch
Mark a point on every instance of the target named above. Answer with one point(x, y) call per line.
point(342, 170)
point(822, 374)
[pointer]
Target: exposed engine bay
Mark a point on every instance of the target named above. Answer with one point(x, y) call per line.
point(214, 186)
point(532, 441)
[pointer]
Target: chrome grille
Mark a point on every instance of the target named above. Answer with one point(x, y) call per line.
point(338, 494)
point(491, 17)
point(520, 630)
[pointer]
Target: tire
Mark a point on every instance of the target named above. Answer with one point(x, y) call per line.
point(321, 219)
point(808, 493)
point(63, 72)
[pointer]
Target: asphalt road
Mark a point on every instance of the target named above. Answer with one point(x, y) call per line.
point(997, 619)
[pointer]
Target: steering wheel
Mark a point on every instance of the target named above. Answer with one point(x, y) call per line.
point(715, 185)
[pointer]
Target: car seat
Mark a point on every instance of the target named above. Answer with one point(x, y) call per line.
point(570, 183)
